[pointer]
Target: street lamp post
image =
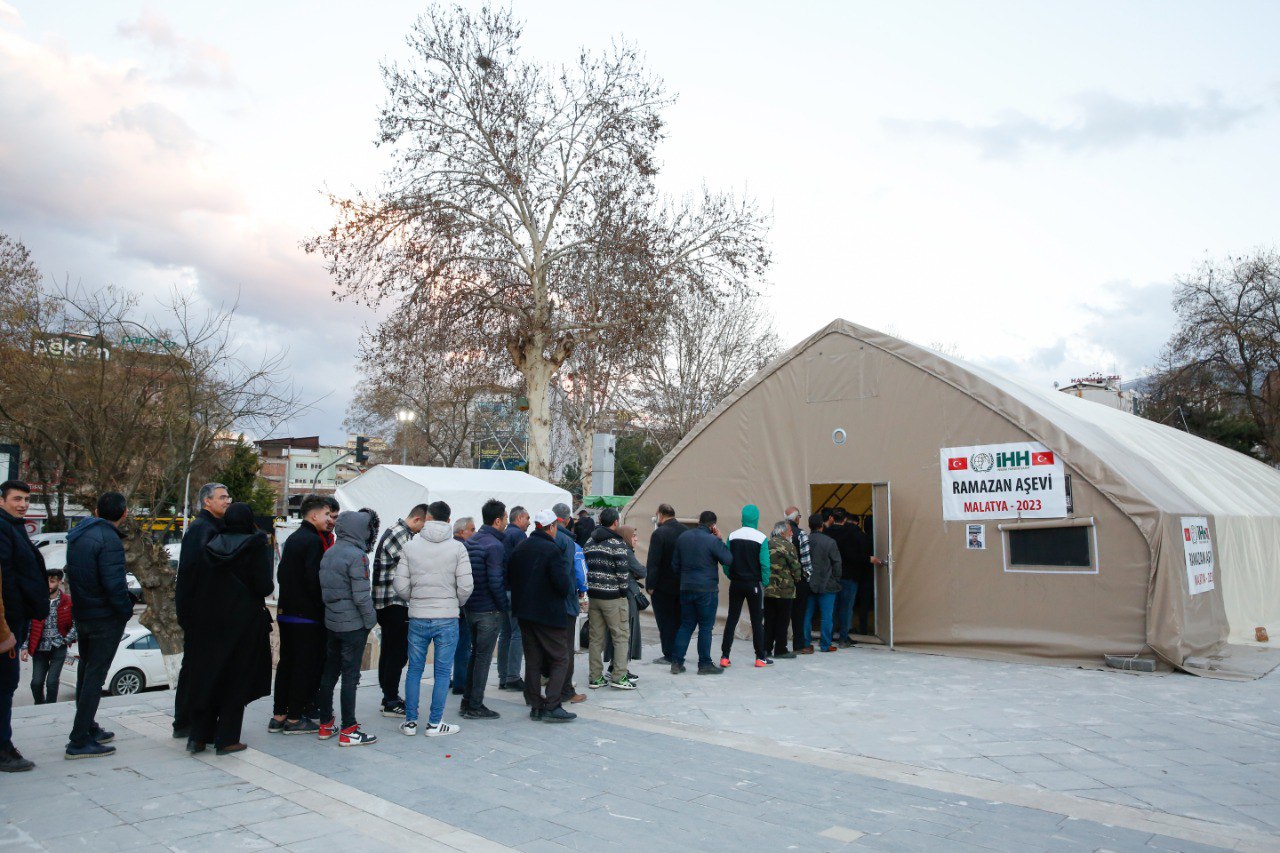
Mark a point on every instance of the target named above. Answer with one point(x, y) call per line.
point(405, 417)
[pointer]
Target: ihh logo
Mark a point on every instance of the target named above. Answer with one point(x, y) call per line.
point(1196, 534)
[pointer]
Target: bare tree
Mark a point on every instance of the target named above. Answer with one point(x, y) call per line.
point(521, 207)
point(708, 348)
point(1221, 367)
point(410, 365)
point(137, 401)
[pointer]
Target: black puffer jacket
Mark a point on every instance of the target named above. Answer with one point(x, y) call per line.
point(662, 548)
point(95, 571)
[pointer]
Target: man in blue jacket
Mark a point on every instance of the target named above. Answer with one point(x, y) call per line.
point(26, 596)
point(487, 608)
point(101, 606)
point(698, 554)
point(575, 600)
point(510, 648)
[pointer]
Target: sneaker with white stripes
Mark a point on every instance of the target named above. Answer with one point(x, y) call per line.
point(441, 729)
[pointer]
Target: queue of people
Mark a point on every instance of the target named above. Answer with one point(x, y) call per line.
point(434, 585)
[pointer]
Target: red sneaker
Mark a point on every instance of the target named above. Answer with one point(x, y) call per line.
point(724, 662)
point(328, 729)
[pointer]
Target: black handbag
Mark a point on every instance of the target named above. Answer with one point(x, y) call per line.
point(637, 594)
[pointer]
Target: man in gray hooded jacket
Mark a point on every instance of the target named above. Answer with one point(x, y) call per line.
point(349, 616)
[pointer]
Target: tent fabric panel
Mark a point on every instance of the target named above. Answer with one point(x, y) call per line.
point(393, 490)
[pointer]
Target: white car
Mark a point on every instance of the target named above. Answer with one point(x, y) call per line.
point(44, 540)
point(138, 664)
point(55, 557)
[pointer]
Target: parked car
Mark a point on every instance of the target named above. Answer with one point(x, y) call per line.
point(138, 664)
point(55, 557)
point(44, 540)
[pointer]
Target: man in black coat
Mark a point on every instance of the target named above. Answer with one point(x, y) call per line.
point(214, 500)
point(583, 529)
point(26, 596)
point(539, 585)
point(662, 581)
point(101, 606)
point(300, 617)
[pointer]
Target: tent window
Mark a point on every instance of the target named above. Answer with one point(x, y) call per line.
point(1068, 548)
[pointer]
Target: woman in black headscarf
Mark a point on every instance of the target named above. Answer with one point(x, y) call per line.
point(228, 649)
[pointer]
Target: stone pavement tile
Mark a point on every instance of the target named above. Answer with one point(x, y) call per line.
point(227, 839)
point(33, 787)
point(510, 827)
point(1084, 761)
point(352, 842)
point(128, 788)
point(1234, 795)
point(907, 840)
point(1027, 763)
point(1061, 780)
point(54, 817)
point(543, 845)
point(256, 811)
point(1181, 845)
point(1198, 757)
point(1143, 758)
point(979, 766)
point(170, 830)
point(1268, 815)
point(1110, 795)
point(121, 837)
point(226, 794)
point(291, 830)
point(137, 810)
point(1124, 777)
point(1095, 835)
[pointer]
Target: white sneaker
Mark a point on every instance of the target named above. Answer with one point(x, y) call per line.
point(442, 729)
point(409, 728)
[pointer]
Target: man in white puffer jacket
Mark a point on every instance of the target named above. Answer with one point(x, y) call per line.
point(434, 578)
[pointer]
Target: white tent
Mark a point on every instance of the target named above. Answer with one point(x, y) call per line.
point(393, 490)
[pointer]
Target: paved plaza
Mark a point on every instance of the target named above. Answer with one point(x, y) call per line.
point(859, 749)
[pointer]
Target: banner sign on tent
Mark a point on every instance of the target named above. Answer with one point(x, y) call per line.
point(1199, 552)
point(1023, 480)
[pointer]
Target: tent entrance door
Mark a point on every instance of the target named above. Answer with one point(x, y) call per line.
point(882, 547)
point(868, 504)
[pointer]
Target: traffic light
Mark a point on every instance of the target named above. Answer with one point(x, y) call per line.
point(362, 447)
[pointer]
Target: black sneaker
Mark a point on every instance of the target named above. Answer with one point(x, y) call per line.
point(677, 668)
point(558, 715)
point(194, 746)
point(535, 713)
point(180, 732)
point(464, 708)
point(513, 684)
point(274, 726)
point(480, 713)
point(101, 735)
point(11, 761)
point(662, 661)
point(395, 709)
point(90, 750)
point(709, 669)
point(301, 726)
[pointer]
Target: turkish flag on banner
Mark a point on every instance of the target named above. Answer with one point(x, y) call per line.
point(957, 463)
point(1045, 458)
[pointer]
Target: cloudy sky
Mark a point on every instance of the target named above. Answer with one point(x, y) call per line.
point(1021, 182)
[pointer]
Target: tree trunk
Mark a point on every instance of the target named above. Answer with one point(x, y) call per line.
point(538, 374)
point(149, 563)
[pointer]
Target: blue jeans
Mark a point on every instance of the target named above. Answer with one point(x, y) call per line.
point(444, 633)
point(510, 648)
point(697, 610)
point(826, 602)
point(461, 657)
point(844, 607)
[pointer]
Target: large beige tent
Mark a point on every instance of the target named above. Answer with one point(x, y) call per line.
point(1017, 521)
